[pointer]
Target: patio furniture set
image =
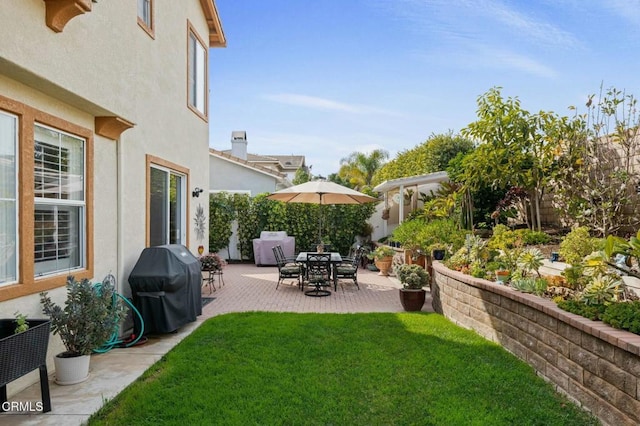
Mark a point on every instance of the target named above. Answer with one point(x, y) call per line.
point(317, 272)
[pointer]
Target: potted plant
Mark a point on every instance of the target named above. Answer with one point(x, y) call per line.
point(413, 279)
point(438, 250)
point(91, 315)
point(211, 262)
point(382, 256)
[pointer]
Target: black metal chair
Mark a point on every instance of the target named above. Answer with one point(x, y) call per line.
point(348, 269)
point(287, 270)
point(288, 260)
point(318, 274)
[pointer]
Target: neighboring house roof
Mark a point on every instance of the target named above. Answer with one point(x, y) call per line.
point(290, 161)
point(248, 164)
point(283, 162)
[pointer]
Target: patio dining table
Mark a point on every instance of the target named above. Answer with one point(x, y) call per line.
point(335, 259)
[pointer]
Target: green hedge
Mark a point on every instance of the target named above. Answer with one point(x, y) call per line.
point(340, 223)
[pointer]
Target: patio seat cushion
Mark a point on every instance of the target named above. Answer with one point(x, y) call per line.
point(345, 269)
point(290, 269)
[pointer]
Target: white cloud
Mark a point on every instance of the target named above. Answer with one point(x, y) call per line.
point(475, 57)
point(324, 104)
point(521, 63)
point(627, 9)
point(464, 20)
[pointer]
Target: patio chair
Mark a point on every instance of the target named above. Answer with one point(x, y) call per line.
point(318, 274)
point(287, 270)
point(288, 259)
point(348, 269)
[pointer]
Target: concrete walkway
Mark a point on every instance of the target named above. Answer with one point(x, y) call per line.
point(247, 288)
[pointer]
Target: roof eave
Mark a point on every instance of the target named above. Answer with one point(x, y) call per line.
point(216, 33)
point(388, 185)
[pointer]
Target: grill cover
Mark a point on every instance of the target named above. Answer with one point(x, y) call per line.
point(262, 247)
point(165, 285)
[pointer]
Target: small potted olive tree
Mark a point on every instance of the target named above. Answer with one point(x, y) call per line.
point(413, 279)
point(90, 316)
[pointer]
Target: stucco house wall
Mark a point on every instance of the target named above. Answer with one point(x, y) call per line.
point(230, 176)
point(104, 64)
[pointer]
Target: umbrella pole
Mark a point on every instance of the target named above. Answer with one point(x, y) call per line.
point(320, 222)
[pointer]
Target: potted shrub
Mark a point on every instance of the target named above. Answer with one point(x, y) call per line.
point(406, 235)
point(413, 279)
point(211, 262)
point(91, 315)
point(383, 257)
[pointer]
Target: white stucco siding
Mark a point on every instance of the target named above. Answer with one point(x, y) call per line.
point(82, 58)
point(228, 176)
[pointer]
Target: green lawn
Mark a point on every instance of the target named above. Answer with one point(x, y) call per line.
point(338, 369)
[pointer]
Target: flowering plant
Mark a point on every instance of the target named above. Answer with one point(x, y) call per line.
point(211, 261)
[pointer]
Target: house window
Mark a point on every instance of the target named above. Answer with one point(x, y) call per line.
point(8, 199)
point(145, 15)
point(46, 200)
point(167, 206)
point(197, 72)
point(59, 201)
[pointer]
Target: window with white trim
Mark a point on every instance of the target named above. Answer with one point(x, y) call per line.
point(8, 199)
point(197, 69)
point(167, 210)
point(59, 201)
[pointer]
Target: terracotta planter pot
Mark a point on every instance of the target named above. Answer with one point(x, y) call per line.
point(412, 299)
point(502, 276)
point(384, 265)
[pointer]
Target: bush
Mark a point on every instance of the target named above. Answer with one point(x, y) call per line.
point(532, 238)
point(504, 238)
point(577, 244)
point(412, 276)
point(624, 315)
point(593, 312)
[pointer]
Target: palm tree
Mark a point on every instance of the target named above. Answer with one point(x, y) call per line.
point(358, 169)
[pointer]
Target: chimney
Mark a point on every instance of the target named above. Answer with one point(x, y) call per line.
point(239, 144)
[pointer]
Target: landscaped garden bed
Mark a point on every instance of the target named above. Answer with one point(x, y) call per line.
point(593, 363)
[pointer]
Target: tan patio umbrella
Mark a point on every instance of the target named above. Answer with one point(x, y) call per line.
point(321, 192)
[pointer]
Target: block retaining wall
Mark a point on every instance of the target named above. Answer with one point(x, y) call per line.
point(595, 365)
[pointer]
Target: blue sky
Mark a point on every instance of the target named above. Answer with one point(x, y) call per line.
point(325, 78)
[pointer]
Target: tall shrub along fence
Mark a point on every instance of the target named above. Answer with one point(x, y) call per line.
point(340, 223)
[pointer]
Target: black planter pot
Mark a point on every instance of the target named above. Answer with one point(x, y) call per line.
point(412, 299)
point(438, 254)
point(22, 353)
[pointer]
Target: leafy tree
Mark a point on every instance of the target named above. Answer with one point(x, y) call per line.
point(358, 169)
point(517, 148)
point(597, 184)
point(433, 155)
point(302, 175)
